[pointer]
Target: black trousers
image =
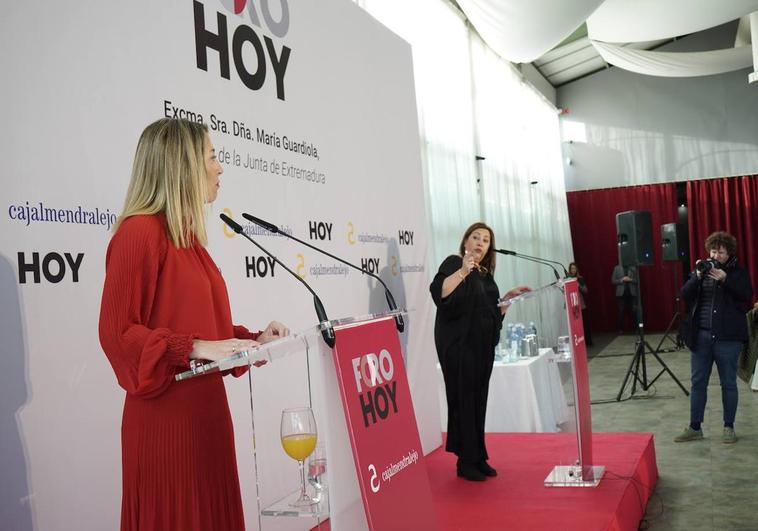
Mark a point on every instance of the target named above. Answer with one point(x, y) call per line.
point(587, 331)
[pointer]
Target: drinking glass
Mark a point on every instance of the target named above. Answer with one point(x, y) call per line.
point(317, 471)
point(298, 433)
point(564, 347)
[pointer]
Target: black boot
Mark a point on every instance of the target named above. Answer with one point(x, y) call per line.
point(469, 471)
point(486, 469)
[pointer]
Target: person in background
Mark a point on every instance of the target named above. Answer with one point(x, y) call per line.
point(625, 280)
point(165, 303)
point(466, 330)
point(573, 272)
point(718, 295)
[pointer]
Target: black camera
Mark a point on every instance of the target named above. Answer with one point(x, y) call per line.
point(706, 265)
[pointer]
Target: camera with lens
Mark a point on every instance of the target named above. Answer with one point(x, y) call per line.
point(706, 265)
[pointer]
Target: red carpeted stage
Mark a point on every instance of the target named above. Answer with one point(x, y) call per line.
point(517, 499)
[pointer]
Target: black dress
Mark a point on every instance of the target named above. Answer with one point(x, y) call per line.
point(466, 330)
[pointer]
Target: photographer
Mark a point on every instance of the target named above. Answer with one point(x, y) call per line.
point(718, 294)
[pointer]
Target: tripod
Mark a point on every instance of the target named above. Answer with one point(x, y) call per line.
point(674, 323)
point(638, 360)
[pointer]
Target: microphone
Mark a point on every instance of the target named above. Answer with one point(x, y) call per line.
point(399, 323)
point(514, 253)
point(535, 259)
point(328, 332)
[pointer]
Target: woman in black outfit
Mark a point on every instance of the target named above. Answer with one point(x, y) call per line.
point(466, 330)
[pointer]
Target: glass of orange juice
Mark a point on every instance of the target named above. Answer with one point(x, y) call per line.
point(298, 432)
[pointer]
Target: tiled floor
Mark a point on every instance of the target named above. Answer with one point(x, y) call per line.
point(703, 485)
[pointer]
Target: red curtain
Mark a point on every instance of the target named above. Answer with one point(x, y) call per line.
point(729, 204)
point(592, 216)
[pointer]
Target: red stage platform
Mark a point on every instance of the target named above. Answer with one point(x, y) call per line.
point(517, 499)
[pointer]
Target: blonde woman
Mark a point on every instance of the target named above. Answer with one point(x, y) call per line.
point(165, 303)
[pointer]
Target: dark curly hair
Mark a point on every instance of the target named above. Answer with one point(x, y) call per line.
point(721, 239)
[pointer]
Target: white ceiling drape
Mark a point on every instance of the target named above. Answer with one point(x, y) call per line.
point(649, 20)
point(521, 31)
point(671, 64)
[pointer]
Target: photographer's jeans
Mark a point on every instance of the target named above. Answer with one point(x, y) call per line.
point(725, 354)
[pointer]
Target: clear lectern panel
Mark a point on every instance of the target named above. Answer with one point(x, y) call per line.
point(298, 371)
point(541, 319)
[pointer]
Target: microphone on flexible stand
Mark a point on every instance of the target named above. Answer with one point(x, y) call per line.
point(535, 260)
point(514, 253)
point(328, 331)
point(399, 323)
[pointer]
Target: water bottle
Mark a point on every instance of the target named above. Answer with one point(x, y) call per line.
point(507, 343)
point(515, 342)
point(512, 354)
point(533, 330)
point(520, 333)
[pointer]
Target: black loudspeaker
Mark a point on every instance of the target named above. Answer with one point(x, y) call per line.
point(634, 231)
point(674, 242)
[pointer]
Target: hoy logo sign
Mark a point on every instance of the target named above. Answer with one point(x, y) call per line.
point(405, 237)
point(377, 389)
point(259, 266)
point(320, 230)
point(54, 267)
point(252, 73)
point(370, 264)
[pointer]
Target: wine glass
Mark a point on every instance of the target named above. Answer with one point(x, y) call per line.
point(298, 433)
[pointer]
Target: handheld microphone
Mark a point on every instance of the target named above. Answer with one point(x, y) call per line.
point(534, 259)
point(399, 323)
point(328, 332)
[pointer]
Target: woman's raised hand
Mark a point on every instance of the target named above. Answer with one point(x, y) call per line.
point(468, 264)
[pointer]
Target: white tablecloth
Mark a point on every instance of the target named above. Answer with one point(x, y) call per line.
point(525, 396)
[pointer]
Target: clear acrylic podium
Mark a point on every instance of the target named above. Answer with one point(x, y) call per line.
point(554, 311)
point(299, 371)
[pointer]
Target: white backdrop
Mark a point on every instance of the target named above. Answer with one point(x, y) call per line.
point(80, 81)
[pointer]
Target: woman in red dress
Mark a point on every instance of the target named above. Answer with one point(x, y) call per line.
point(164, 304)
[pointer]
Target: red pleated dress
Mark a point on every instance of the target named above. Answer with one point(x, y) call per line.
point(178, 456)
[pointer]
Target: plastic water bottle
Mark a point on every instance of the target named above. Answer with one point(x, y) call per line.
point(508, 346)
point(518, 334)
point(533, 330)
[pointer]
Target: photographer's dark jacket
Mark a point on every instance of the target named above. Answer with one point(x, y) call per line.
point(731, 301)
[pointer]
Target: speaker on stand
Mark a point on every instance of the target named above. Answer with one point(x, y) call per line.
point(675, 249)
point(634, 233)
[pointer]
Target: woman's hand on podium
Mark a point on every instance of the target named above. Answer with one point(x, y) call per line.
point(218, 350)
point(274, 330)
point(513, 292)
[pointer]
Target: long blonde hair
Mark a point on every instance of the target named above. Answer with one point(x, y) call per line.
point(169, 176)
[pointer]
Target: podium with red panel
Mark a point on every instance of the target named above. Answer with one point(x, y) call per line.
point(557, 310)
point(368, 470)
